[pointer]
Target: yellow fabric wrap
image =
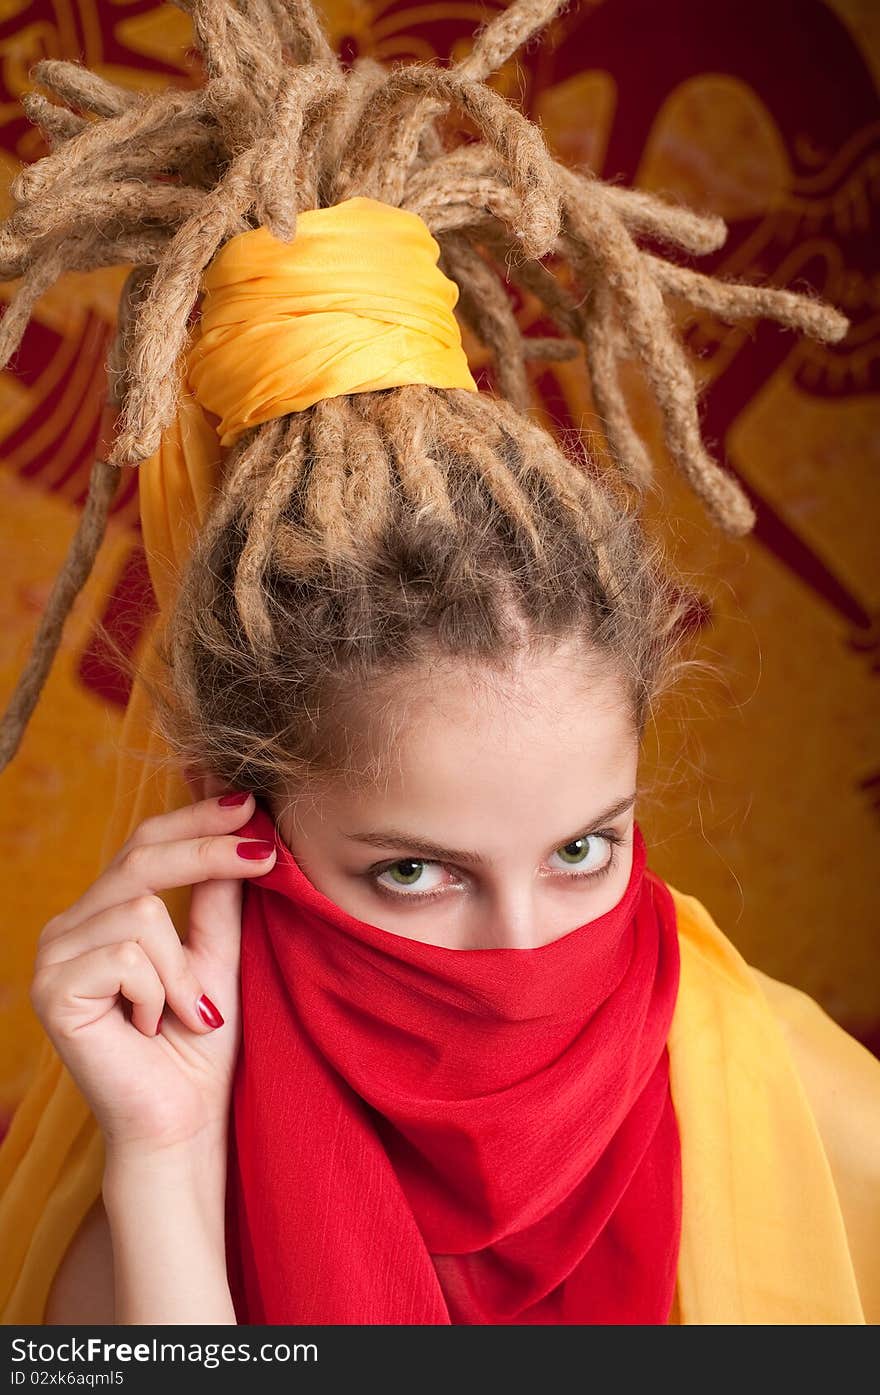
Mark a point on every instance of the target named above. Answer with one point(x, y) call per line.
point(781, 1219)
point(355, 303)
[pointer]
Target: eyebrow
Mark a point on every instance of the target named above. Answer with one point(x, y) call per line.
point(395, 837)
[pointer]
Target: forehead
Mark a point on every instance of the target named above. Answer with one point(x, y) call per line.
point(536, 702)
point(548, 734)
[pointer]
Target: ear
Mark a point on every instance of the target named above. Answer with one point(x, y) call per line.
point(211, 786)
point(201, 784)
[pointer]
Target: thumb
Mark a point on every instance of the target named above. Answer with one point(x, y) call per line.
point(214, 930)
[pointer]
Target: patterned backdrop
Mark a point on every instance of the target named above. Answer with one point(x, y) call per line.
point(765, 778)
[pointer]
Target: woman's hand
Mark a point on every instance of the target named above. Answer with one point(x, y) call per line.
point(112, 965)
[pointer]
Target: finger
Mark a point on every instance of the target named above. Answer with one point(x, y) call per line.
point(71, 995)
point(192, 820)
point(144, 921)
point(148, 868)
point(214, 930)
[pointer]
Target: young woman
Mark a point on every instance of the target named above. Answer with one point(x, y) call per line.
point(382, 1017)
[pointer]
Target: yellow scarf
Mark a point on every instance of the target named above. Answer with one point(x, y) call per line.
point(763, 1239)
point(355, 303)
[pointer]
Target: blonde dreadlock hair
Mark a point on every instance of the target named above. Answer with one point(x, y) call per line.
point(374, 529)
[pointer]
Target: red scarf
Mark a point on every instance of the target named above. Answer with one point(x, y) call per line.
point(429, 1135)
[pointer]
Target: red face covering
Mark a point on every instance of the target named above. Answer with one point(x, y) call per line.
point(429, 1135)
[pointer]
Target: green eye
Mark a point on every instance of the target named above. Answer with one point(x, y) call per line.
point(408, 879)
point(580, 851)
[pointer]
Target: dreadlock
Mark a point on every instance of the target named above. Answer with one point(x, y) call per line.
point(373, 530)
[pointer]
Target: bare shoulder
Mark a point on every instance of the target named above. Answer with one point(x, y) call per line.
point(82, 1290)
point(841, 1079)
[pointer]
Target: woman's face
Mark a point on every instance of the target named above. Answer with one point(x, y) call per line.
point(492, 827)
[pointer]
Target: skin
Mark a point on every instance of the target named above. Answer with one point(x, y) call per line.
point(510, 770)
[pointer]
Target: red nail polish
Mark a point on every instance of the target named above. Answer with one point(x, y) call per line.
point(257, 850)
point(231, 801)
point(208, 1013)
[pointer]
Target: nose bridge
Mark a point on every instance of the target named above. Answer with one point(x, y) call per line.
point(511, 919)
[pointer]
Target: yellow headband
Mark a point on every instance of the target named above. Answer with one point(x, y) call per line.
point(354, 303)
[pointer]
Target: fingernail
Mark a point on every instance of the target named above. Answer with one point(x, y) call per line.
point(208, 1013)
point(256, 850)
point(230, 801)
